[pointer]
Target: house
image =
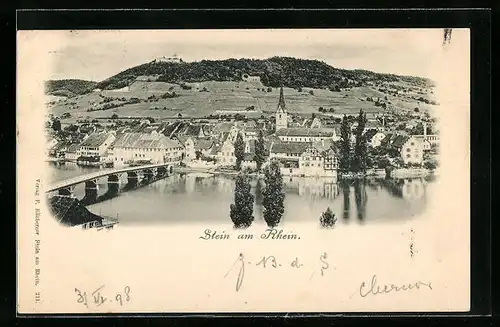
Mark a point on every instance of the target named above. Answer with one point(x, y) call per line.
point(408, 148)
point(95, 146)
point(376, 139)
point(412, 151)
point(189, 147)
point(249, 161)
point(59, 149)
point(428, 141)
point(307, 134)
point(224, 154)
point(319, 159)
point(155, 148)
point(72, 152)
point(312, 123)
point(192, 130)
point(368, 134)
point(249, 156)
point(250, 133)
point(50, 144)
point(287, 150)
point(222, 130)
point(204, 146)
point(376, 125)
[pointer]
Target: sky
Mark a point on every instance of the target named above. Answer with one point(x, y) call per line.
point(97, 55)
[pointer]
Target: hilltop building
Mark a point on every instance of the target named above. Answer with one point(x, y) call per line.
point(249, 78)
point(174, 59)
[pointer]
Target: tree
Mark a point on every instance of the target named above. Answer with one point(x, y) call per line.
point(359, 159)
point(114, 116)
point(239, 150)
point(260, 151)
point(327, 218)
point(273, 195)
point(56, 125)
point(311, 92)
point(345, 145)
point(241, 211)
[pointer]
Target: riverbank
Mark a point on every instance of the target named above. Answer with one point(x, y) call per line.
point(378, 173)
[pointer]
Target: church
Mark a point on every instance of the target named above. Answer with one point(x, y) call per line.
point(313, 132)
point(281, 114)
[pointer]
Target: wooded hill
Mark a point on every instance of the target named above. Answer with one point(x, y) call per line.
point(273, 72)
point(69, 87)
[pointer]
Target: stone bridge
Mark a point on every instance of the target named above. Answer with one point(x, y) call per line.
point(148, 172)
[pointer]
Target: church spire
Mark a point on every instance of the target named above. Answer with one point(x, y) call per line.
point(281, 103)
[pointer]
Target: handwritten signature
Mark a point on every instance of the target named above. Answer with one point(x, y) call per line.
point(98, 297)
point(272, 262)
point(374, 289)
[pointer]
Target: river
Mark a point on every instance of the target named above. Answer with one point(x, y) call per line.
point(205, 198)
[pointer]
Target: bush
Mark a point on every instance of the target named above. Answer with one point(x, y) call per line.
point(328, 219)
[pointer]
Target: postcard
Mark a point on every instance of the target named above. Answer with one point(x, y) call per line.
point(262, 170)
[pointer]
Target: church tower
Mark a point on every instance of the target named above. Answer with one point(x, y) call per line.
point(281, 115)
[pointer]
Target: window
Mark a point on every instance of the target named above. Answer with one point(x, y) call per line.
point(408, 156)
point(408, 149)
point(412, 144)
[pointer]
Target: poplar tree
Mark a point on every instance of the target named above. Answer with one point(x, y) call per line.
point(239, 150)
point(260, 151)
point(360, 148)
point(241, 211)
point(345, 144)
point(273, 199)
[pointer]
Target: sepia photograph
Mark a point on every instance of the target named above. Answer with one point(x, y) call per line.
point(268, 170)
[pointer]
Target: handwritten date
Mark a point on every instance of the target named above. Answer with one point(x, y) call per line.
point(270, 262)
point(98, 297)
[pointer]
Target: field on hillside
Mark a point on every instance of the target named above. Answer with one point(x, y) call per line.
point(250, 98)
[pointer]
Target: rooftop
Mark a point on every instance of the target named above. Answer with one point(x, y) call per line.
point(313, 132)
point(145, 141)
point(289, 147)
point(95, 140)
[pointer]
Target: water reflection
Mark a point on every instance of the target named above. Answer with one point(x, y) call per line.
point(189, 198)
point(361, 198)
point(346, 191)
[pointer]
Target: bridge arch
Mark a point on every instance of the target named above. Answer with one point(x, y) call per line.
point(148, 174)
point(91, 184)
point(65, 191)
point(113, 178)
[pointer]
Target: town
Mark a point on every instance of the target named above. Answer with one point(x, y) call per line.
point(403, 142)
